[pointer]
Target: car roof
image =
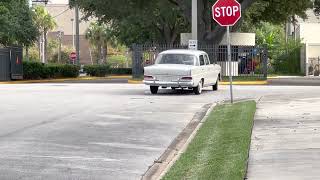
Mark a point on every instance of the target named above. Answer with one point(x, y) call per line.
point(184, 51)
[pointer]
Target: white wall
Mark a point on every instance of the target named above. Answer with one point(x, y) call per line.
point(309, 33)
point(237, 39)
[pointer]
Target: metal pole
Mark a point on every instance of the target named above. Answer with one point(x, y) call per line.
point(73, 43)
point(230, 63)
point(77, 33)
point(194, 18)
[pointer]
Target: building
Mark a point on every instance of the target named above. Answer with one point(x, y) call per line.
point(65, 18)
point(308, 32)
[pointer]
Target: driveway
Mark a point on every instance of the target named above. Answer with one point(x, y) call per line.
point(97, 131)
point(286, 137)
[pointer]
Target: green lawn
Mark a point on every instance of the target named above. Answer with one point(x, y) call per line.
point(220, 148)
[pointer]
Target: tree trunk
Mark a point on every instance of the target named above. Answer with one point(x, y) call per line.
point(105, 52)
point(39, 46)
point(45, 45)
point(27, 53)
point(99, 53)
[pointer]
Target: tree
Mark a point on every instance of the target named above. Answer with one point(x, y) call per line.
point(45, 22)
point(16, 25)
point(164, 20)
point(99, 34)
point(317, 7)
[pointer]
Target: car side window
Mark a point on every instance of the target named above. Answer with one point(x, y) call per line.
point(206, 58)
point(201, 59)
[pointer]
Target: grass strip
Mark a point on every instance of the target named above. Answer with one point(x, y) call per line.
point(220, 148)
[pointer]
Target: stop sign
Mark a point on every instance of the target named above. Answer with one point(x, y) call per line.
point(73, 56)
point(226, 12)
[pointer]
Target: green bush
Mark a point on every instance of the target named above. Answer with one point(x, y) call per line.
point(97, 70)
point(121, 71)
point(118, 61)
point(103, 70)
point(33, 70)
point(37, 70)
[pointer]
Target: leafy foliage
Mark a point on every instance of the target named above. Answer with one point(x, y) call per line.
point(97, 70)
point(284, 57)
point(16, 25)
point(37, 70)
point(317, 7)
point(141, 21)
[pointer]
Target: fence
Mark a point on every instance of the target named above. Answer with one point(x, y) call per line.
point(247, 61)
point(11, 63)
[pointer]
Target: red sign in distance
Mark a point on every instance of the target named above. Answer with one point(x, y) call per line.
point(226, 12)
point(73, 56)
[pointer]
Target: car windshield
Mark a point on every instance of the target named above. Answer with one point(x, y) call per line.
point(176, 59)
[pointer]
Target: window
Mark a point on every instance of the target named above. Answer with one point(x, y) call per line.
point(201, 59)
point(206, 58)
point(176, 59)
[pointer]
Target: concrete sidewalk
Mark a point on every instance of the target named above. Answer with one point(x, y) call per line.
point(286, 138)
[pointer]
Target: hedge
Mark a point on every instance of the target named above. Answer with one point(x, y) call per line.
point(103, 70)
point(37, 70)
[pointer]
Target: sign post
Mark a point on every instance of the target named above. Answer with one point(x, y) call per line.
point(227, 13)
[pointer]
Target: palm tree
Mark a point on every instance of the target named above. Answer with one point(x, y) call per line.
point(45, 23)
point(99, 34)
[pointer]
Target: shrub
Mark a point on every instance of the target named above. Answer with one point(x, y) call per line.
point(103, 70)
point(33, 70)
point(97, 70)
point(118, 61)
point(37, 70)
point(121, 71)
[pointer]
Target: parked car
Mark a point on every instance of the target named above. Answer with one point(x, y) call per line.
point(186, 69)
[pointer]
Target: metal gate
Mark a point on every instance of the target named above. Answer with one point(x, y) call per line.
point(247, 61)
point(11, 67)
point(314, 66)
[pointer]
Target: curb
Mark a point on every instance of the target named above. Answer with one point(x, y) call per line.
point(66, 79)
point(162, 165)
point(221, 83)
point(246, 83)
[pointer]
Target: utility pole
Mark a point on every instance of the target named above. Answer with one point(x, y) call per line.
point(194, 18)
point(77, 33)
point(73, 43)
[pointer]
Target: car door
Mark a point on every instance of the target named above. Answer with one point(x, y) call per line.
point(203, 67)
point(209, 71)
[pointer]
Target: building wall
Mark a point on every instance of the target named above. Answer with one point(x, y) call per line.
point(63, 15)
point(237, 39)
point(309, 35)
point(67, 40)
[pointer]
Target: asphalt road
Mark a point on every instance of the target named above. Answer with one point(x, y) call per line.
point(97, 131)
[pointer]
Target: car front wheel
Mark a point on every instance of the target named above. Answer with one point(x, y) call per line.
point(154, 89)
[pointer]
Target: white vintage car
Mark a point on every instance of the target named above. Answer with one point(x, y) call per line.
point(186, 69)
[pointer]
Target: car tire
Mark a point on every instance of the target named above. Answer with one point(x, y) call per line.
point(216, 86)
point(154, 89)
point(198, 90)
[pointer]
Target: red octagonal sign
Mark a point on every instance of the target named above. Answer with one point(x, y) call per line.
point(226, 12)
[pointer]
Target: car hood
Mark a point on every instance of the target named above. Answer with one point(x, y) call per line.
point(168, 69)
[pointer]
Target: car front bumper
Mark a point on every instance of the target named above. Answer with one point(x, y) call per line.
point(177, 84)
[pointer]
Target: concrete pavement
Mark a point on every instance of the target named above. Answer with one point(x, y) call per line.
point(286, 137)
point(294, 81)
